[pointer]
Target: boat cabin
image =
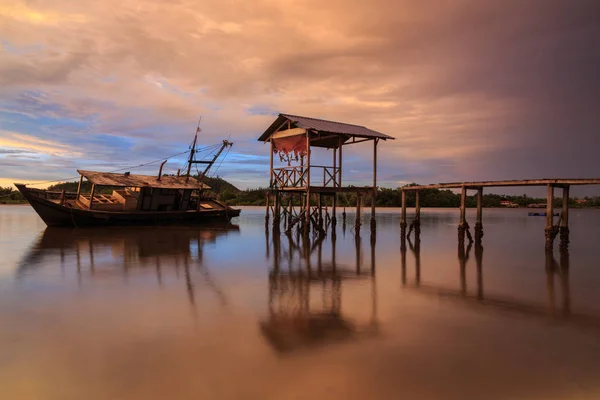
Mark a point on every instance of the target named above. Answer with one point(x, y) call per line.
point(132, 192)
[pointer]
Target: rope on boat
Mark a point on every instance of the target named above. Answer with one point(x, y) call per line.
point(118, 170)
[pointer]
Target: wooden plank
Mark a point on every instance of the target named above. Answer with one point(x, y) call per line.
point(288, 133)
point(526, 182)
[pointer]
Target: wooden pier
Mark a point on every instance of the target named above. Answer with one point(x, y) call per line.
point(551, 229)
point(301, 192)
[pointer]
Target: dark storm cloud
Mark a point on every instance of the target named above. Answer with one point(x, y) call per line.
point(471, 89)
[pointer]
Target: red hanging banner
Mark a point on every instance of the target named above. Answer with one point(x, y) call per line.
point(290, 148)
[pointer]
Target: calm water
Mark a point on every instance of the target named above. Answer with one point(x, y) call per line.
point(231, 314)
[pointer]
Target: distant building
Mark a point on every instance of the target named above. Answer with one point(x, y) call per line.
point(507, 203)
point(581, 201)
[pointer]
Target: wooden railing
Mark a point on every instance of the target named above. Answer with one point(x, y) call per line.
point(297, 177)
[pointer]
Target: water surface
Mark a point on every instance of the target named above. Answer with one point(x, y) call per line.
point(232, 313)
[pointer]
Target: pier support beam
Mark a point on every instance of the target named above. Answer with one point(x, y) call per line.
point(479, 222)
point(403, 217)
point(358, 221)
point(374, 199)
point(416, 222)
point(462, 223)
point(564, 221)
point(550, 230)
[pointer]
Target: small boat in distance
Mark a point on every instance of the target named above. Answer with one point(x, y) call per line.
point(541, 214)
point(135, 199)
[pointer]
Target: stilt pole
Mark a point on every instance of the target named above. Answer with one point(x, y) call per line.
point(479, 222)
point(550, 231)
point(307, 216)
point(463, 220)
point(403, 217)
point(374, 199)
point(564, 222)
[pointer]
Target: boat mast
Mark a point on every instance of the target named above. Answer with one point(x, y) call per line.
point(192, 152)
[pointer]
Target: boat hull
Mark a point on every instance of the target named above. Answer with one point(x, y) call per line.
point(54, 214)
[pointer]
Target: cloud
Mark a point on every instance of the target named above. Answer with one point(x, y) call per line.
point(495, 90)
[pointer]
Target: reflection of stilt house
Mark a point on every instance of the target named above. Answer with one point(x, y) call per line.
point(305, 297)
point(298, 180)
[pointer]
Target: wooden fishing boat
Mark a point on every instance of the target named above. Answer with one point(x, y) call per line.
point(135, 199)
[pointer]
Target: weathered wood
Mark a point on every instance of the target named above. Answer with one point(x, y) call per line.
point(92, 196)
point(565, 208)
point(564, 224)
point(374, 199)
point(479, 206)
point(403, 215)
point(550, 207)
point(417, 206)
point(340, 159)
point(463, 208)
point(288, 133)
point(307, 216)
point(271, 163)
point(79, 187)
point(479, 221)
point(526, 182)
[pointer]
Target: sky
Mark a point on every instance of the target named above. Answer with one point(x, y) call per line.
point(470, 89)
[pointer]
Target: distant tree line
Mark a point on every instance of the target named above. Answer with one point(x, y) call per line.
point(386, 197)
point(9, 195)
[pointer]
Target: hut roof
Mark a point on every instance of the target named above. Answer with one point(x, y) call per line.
point(344, 130)
point(131, 180)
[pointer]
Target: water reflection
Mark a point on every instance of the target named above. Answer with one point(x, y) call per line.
point(558, 301)
point(98, 252)
point(305, 293)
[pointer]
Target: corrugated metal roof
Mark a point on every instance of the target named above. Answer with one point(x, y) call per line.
point(131, 180)
point(322, 125)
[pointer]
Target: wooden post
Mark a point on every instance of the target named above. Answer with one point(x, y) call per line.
point(374, 199)
point(320, 207)
point(462, 222)
point(92, 195)
point(340, 159)
point(79, 187)
point(358, 221)
point(403, 218)
point(277, 211)
point(290, 210)
point(268, 198)
point(549, 231)
point(307, 216)
point(479, 222)
point(417, 221)
point(564, 222)
point(271, 163)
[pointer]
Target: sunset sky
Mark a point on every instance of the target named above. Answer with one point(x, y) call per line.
point(471, 89)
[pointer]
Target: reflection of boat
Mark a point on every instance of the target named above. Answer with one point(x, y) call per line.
point(135, 199)
point(135, 246)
